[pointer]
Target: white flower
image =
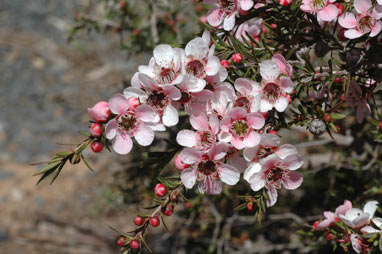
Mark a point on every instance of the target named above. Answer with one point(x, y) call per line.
point(356, 217)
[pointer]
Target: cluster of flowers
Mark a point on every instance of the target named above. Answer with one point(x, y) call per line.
point(360, 225)
point(365, 19)
point(230, 134)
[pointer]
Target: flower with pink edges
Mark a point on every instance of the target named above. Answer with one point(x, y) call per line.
point(239, 128)
point(372, 230)
point(246, 94)
point(269, 144)
point(331, 217)
point(325, 9)
point(224, 11)
point(208, 169)
point(158, 97)
point(100, 112)
point(165, 66)
point(356, 218)
point(251, 27)
point(356, 243)
point(275, 173)
point(275, 85)
point(366, 20)
point(129, 122)
point(205, 135)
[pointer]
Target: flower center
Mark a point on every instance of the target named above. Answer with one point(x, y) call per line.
point(264, 151)
point(207, 167)
point(365, 23)
point(275, 176)
point(157, 99)
point(166, 75)
point(186, 97)
point(228, 6)
point(195, 68)
point(206, 139)
point(242, 102)
point(240, 128)
point(318, 4)
point(271, 92)
point(127, 122)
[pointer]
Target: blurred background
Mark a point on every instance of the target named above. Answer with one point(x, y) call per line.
point(46, 87)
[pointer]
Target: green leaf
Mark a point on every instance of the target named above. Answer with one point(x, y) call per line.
point(164, 223)
point(146, 245)
point(86, 163)
point(120, 233)
point(241, 207)
point(380, 243)
point(170, 182)
point(49, 167)
point(337, 116)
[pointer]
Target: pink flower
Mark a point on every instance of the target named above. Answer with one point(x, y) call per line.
point(356, 217)
point(100, 112)
point(224, 11)
point(238, 127)
point(356, 242)
point(205, 136)
point(165, 66)
point(129, 122)
point(326, 11)
point(365, 22)
point(275, 87)
point(276, 172)
point(246, 94)
point(179, 164)
point(199, 60)
point(252, 27)
point(269, 144)
point(207, 169)
point(331, 217)
point(158, 97)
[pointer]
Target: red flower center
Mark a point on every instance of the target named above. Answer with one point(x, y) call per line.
point(275, 176)
point(195, 68)
point(206, 139)
point(158, 100)
point(271, 92)
point(127, 122)
point(167, 75)
point(207, 167)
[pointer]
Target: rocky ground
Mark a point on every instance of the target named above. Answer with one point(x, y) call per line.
point(46, 86)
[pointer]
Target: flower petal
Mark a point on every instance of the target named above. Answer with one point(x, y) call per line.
point(285, 150)
point(163, 55)
point(347, 20)
point(111, 129)
point(293, 162)
point(293, 180)
point(329, 13)
point(229, 22)
point(170, 116)
point(118, 104)
point(218, 151)
point(256, 120)
point(122, 144)
point(186, 138)
point(146, 113)
point(252, 139)
point(353, 34)
point(144, 135)
point(370, 208)
point(229, 174)
point(190, 156)
point(286, 84)
point(281, 104)
point(188, 177)
point(269, 70)
point(376, 29)
point(210, 186)
point(362, 6)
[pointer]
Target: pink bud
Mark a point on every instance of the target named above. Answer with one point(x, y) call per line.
point(224, 63)
point(203, 19)
point(100, 112)
point(96, 130)
point(179, 164)
point(237, 57)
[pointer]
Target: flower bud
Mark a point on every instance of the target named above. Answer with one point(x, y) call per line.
point(160, 190)
point(96, 146)
point(154, 221)
point(224, 63)
point(121, 241)
point(327, 118)
point(96, 130)
point(138, 220)
point(100, 112)
point(168, 210)
point(134, 244)
point(236, 58)
point(284, 2)
point(179, 164)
